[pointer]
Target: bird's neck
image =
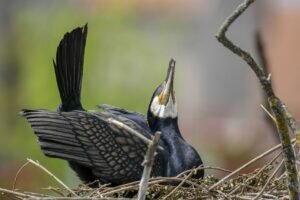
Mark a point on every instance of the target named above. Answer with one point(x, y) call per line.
point(174, 144)
point(167, 126)
point(182, 156)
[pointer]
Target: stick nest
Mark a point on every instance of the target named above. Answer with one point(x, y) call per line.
point(260, 184)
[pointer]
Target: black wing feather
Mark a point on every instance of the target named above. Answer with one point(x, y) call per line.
point(88, 138)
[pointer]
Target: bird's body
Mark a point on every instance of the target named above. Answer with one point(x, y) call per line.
point(98, 149)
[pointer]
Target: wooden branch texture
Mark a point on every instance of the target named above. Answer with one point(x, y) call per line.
point(283, 118)
point(148, 162)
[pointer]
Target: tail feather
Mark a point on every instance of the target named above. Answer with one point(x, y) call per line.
point(69, 68)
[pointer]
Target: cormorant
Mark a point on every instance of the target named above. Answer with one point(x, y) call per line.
point(98, 149)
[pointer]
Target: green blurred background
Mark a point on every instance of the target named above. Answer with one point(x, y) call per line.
point(124, 62)
point(128, 49)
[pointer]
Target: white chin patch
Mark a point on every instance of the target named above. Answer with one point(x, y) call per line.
point(164, 111)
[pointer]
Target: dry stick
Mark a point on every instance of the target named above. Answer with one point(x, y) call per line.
point(98, 189)
point(252, 177)
point(55, 190)
point(155, 180)
point(18, 172)
point(201, 167)
point(36, 194)
point(2, 190)
point(162, 179)
point(268, 113)
point(80, 198)
point(248, 186)
point(132, 131)
point(247, 164)
point(152, 182)
point(148, 162)
point(180, 184)
point(263, 195)
point(269, 179)
point(53, 176)
point(75, 198)
point(191, 172)
point(275, 103)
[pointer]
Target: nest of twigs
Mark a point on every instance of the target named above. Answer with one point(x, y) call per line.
point(243, 186)
point(267, 182)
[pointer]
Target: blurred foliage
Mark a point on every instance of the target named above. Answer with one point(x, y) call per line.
point(126, 58)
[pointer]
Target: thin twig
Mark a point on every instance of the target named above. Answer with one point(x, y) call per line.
point(55, 190)
point(77, 198)
point(191, 172)
point(35, 194)
point(163, 179)
point(180, 184)
point(82, 198)
point(17, 175)
point(269, 179)
point(201, 167)
point(153, 181)
point(268, 113)
point(52, 175)
point(2, 190)
point(148, 162)
point(263, 195)
point(248, 164)
point(132, 131)
point(260, 170)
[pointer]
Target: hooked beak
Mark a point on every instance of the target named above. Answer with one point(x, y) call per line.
point(168, 88)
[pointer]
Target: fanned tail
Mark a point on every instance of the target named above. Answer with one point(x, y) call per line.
point(69, 68)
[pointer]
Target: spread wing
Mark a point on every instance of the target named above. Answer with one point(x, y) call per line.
point(113, 153)
point(138, 118)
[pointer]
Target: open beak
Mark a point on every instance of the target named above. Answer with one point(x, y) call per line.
point(168, 89)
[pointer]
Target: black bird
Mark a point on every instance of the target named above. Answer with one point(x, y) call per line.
point(98, 149)
point(162, 116)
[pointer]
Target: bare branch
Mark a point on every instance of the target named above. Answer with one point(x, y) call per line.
point(148, 162)
point(52, 175)
point(276, 105)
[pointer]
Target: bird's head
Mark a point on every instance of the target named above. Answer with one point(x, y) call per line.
point(163, 103)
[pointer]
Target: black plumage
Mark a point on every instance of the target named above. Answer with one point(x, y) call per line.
point(98, 149)
point(113, 155)
point(69, 68)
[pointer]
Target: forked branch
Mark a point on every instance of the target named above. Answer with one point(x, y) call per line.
point(283, 118)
